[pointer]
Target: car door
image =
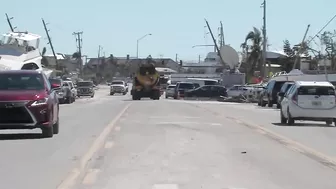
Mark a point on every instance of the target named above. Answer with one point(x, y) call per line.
point(286, 99)
point(233, 91)
point(214, 91)
point(204, 91)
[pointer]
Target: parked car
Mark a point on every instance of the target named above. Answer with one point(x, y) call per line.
point(170, 91)
point(85, 88)
point(71, 91)
point(28, 101)
point(211, 91)
point(309, 100)
point(181, 87)
point(118, 86)
point(60, 90)
point(283, 90)
point(271, 93)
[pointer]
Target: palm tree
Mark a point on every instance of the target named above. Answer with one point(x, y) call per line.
point(253, 51)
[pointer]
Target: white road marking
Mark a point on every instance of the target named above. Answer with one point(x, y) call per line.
point(165, 186)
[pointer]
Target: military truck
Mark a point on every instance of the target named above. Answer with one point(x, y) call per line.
point(146, 83)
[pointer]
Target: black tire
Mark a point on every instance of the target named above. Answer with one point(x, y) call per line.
point(291, 121)
point(78, 96)
point(111, 93)
point(92, 96)
point(69, 100)
point(259, 102)
point(134, 97)
point(269, 103)
point(166, 96)
point(278, 106)
point(263, 104)
point(283, 120)
point(329, 122)
point(56, 127)
point(124, 93)
point(48, 132)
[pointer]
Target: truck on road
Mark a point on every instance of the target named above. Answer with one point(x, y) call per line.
point(146, 83)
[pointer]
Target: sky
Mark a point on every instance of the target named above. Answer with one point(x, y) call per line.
point(175, 26)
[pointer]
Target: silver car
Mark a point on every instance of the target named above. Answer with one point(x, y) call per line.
point(170, 91)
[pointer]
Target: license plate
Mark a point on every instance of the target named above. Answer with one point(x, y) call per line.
point(316, 103)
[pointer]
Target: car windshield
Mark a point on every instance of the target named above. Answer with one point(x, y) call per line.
point(85, 84)
point(117, 83)
point(316, 90)
point(21, 82)
point(186, 86)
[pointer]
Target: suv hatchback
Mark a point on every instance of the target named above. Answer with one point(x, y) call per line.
point(27, 101)
point(309, 100)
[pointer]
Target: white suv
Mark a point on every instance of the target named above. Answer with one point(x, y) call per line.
point(118, 86)
point(309, 100)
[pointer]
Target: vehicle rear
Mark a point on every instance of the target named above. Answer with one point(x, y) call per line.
point(170, 91)
point(182, 87)
point(314, 101)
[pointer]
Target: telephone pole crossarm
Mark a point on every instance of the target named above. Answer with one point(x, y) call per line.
point(79, 40)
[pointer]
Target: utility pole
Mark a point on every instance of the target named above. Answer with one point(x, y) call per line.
point(79, 43)
point(50, 43)
point(176, 57)
point(264, 40)
point(9, 22)
point(99, 49)
point(298, 54)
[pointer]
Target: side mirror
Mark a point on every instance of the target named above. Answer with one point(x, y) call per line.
point(282, 94)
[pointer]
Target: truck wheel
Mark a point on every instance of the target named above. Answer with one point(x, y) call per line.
point(125, 93)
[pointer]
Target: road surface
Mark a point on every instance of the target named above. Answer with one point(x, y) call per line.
point(113, 142)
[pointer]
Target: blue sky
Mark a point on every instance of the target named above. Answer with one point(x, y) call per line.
point(176, 25)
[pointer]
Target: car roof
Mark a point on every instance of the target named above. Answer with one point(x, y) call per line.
point(20, 72)
point(314, 83)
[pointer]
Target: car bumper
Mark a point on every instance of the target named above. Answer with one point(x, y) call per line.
point(311, 114)
point(25, 118)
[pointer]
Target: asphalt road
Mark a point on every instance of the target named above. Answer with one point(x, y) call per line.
point(113, 142)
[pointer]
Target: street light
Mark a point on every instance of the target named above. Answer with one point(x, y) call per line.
point(139, 41)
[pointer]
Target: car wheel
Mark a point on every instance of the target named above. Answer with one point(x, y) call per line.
point(259, 102)
point(92, 96)
point(124, 93)
point(48, 132)
point(291, 121)
point(329, 122)
point(278, 106)
point(56, 127)
point(111, 93)
point(283, 120)
point(269, 103)
point(166, 96)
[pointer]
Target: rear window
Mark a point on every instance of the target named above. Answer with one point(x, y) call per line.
point(171, 86)
point(316, 90)
point(186, 86)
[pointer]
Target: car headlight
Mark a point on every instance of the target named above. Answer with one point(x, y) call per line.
point(39, 102)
